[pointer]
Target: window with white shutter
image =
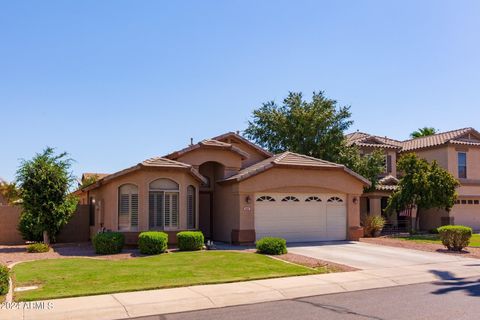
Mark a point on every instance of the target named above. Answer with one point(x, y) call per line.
point(191, 205)
point(128, 207)
point(163, 204)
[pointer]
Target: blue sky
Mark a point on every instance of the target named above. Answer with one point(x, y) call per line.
point(116, 82)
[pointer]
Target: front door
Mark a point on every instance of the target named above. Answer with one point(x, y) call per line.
point(205, 222)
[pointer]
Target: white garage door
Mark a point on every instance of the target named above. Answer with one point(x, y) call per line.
point(301, 217)
point(467, 214)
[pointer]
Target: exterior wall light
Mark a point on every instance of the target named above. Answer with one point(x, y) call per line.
point(248, 199)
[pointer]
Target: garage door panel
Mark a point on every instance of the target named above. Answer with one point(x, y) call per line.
point(467, 215)
point(300, 220)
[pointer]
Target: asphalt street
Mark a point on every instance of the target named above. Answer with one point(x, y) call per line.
point(451, 298)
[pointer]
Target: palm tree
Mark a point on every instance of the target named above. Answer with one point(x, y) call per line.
point(423, 132)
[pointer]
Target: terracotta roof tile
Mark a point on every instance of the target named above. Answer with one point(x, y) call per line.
point(244, 140)
point(437, 139)
point(290, 159)
point(209, 143)
point(362, 139)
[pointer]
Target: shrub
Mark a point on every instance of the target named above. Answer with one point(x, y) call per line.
point(108, 242)
point(38, 248)
point(373, 225)
point(433, 231)
point(4, 272)
point(29, 228)
point(455, 238)
point(190, 240)
point(152, 242)
point(273, 246)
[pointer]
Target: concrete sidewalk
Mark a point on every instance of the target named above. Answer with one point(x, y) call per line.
point(153, 302)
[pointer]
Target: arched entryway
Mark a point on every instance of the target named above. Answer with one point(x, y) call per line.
point(212, 171)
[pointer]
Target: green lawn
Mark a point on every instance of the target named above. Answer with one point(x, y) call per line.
point(434, 238)
point(81, 276)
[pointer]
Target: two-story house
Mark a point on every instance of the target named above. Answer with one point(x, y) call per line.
point(458, 151)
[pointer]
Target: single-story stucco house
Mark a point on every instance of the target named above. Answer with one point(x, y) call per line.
point(233, 191)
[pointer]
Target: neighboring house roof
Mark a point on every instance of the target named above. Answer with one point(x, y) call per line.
point(244, 140)
point(208, 143)
point(291, 160)
point(88, 175)
point(157, 162)
point(465, 136)
point(388, 183)
point(362, 139)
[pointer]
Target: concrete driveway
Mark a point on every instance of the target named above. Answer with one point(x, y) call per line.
point(369, 256)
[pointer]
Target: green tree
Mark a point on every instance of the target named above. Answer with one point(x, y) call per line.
point(45, 182)
point(423, 132)
point(423, 185)
point(10, 192)
point(315, 128)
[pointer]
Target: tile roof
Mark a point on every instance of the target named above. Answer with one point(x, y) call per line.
point(244, 140)
point(87, 175)
point(362, 139)
point(441, 138)
point(292, 160)
point(208, 143)
point(157, 162)
point(388, 183)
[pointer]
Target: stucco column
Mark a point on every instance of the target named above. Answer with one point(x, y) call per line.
point(355, 232)
point(375, 205)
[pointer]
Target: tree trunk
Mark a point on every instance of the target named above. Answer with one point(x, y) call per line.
point(46, 238)
point(417, 221)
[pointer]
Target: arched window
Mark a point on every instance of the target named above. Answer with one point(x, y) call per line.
point(335, 200)
point(313, 199)
point(290, 199)
point(191, 207)
point(128, 207)
point(266, 199)
point(163, 204)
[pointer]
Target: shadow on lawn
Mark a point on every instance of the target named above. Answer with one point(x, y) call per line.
point(451, 283)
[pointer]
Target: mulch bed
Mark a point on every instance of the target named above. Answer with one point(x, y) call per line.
point(470, 252)
point(17, 253)
point(314, 263)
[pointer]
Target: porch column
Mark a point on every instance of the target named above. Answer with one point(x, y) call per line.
point(375, 205)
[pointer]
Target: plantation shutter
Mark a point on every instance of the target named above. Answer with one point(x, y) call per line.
point(124, 210)
point(134, 210)
point(190, 207)
point(174, 210)
point(168, 211)
point(156, 209)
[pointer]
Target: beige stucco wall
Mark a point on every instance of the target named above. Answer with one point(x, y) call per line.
point(231, 160)
point(299, 181)
point(106, 196)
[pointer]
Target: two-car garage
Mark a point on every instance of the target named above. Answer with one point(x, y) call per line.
point(301, 217)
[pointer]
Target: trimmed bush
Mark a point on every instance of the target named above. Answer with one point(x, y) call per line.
point(373, 225)
point(4, 272)
point(271, 245)
point(108, 242)
point(38, 248)
point(455, 238)
point(190, 240)
point(152, 242)
point(433, 231)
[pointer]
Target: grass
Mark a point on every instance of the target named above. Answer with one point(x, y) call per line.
point(434, 238)
point(71, 277)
